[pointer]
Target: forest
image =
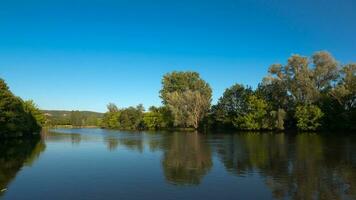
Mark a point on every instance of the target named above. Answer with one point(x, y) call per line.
point(306, 94)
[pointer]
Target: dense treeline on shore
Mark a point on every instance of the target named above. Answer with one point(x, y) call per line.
point(18, 118)
point(306, 94)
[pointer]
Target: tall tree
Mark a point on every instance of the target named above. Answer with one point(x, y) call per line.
point(231, 105)
point(14, 120)
point(325, 70)
point(188, 107)
point(187, 96)
point(111, 117)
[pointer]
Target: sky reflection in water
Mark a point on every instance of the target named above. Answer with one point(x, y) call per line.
point(105, 164)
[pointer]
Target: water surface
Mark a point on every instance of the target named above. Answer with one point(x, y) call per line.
point(105, 164)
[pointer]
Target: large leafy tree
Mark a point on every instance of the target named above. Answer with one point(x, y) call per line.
point(14, 120)
point(231, 105)
point(131, 118)
point(340, 103)
point(302, 80)
point(325, 70)
point(187, 96)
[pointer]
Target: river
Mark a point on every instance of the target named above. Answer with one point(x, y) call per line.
point(108, 164)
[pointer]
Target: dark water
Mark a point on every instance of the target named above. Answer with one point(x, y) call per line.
point(102, 164)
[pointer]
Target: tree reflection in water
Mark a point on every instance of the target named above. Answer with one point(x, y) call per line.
point(187, 158)
point(305, 166)
point(302, 166)
point(14, 154)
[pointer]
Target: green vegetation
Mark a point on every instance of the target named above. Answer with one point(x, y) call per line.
point(157, 118)
point(31, 107)
point(308, 117)
point(72, 118)
point(18, 118)
point(15, 154)
point(187, 96)
point(307, 94)
point(130, 118)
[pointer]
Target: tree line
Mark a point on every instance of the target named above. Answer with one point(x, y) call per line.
point(307, 94)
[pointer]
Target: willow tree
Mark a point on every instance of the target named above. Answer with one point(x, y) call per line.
point(187, 96)
point(304, 79)
point(302, 82)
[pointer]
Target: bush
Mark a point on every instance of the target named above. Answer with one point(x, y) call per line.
point(308, 117)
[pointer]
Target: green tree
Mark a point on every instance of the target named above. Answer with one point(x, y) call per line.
point(325, 70)
point(187, 96)
point(308, 117)
point(340, 103)
point(76, 118)
point(254, 116)
point(111, 117)
point(231, 105)
point(188, 108)
point(131, 118)
point(157, 118)
point(14, 120)
point(304, 79)
point(31, 108)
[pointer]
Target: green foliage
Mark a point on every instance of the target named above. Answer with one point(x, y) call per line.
point(319, 81)
point(305, 93)
point(15, 154)
point(72, 118)
point(276, 120)
point(188, 108)
point(254, 114)
point(15, 121)
point(187, 96)
point(157, 118)
point(183, 81)
point(308, 117)
point(31, 108)
point(234, 100)
point(301, 82)
point(130, 118)
point(231, 105)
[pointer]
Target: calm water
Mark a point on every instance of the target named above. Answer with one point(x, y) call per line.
point(102, 164)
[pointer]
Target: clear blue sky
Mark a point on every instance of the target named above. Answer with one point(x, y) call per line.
point(68, 54)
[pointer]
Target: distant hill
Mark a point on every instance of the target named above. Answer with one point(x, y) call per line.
point(74, 118)
point(67, 112)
